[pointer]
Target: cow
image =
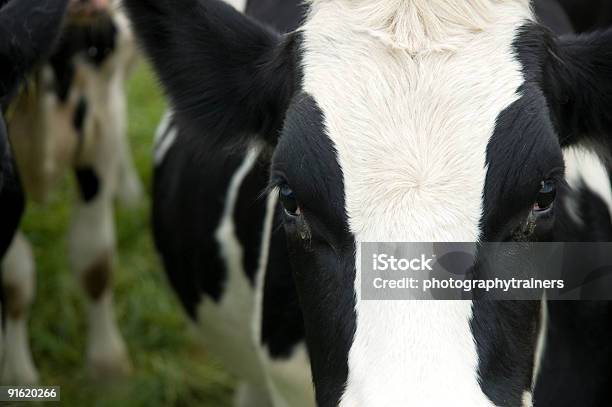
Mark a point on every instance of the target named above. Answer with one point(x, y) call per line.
point(20, 50)
point(379, 121)
point(223, 234)
point(27, 34)
point(72, 117)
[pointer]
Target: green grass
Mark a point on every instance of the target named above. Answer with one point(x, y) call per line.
point(170, 367)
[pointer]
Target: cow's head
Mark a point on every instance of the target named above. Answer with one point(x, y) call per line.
point(407, 120)
point(27, 32)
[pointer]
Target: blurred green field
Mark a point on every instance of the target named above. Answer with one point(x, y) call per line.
point(170, 367)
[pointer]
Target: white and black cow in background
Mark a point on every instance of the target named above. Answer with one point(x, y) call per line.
point(27, 34)
point(223, 234)
point(72, 117)
point(412, 120)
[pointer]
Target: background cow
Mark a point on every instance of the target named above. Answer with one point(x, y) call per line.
point(20, 50)
point(72, 116)
point(222, 234)
point(27, 33)
point(365, 130)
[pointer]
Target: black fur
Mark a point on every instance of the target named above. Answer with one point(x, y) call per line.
point(551, 14)
point(88, 182)
point(575, 370)
point(242, 84)
point(78, 120)
point(284, 15)
point(282, 323)
point(189, 195)
point(580, 88)
point(588, 15)
point(27, 33)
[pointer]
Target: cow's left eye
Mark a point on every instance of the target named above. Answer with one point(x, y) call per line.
point(288, 200)
point(546, 197)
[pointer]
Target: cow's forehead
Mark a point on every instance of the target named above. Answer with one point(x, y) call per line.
point(411, 127)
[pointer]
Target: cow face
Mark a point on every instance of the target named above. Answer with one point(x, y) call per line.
point(396, 121)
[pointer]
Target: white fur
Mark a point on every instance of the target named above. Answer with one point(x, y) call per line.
point(106, 351)
point(583, 167)
point(226, 326)
point(18, 366)
point(411, 121)
point(129, 187)
point(542, 337)
point(18, 272)
point(248, 395)
point(162, 128)
point(239, 5)
point(418, 26)
point(165, 136)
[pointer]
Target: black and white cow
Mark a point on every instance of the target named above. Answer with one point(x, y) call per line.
point(380, 121)
point(27, 33)
point(223, 234)
point(72, 116)
point(20, 49)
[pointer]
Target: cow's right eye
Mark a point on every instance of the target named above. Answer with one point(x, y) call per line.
point(546, 197)
point(288, 200)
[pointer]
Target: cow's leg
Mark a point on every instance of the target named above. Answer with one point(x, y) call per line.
point(92, 246)
point(129, 190)
point(129, 186)
point(248, 395)
point(18, 284)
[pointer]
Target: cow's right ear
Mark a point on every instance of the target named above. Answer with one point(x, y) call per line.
point(227, 76)
point(27, 33)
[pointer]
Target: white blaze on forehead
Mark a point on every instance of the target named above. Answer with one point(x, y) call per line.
point(418, 24)
point(411, 127)
point(411, 131)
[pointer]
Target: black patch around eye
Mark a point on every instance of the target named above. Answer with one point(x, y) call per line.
point(320, 244)
point(523, 151)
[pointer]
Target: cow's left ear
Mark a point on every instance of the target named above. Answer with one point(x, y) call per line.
point(28, 29)
point(579, 83)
